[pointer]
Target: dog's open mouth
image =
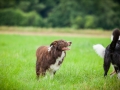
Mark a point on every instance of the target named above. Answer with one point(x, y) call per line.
point(65, 48)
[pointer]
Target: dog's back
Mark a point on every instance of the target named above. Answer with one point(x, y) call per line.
point(41, 50)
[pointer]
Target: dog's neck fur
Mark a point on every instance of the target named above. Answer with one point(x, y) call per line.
point(58, 57)
point(54, 67)
point(55, 52)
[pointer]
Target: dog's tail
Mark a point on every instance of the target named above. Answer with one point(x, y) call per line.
point(99, 49)
point(116, 34)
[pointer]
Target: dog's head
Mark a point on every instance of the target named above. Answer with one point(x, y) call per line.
point(61, 45)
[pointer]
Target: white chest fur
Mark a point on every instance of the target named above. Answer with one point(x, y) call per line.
point(54, 67)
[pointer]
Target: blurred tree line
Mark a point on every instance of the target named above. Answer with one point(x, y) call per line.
point(92, 14)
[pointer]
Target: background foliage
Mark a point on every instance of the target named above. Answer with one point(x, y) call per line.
point(61, 13)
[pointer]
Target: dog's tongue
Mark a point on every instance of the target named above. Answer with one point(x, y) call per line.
point(65, 48)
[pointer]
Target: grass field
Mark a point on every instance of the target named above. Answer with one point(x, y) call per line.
point(82, 68)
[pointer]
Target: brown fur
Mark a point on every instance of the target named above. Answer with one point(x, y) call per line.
point(46, 57)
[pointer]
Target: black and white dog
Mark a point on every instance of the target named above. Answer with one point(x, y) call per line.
point(111, 53)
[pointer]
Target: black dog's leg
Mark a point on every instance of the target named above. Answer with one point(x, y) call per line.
point(106, 67)
point(116, 69)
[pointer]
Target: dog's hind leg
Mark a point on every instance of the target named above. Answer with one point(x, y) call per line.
point(106, 67)
point(38, 69)
point(41, 72)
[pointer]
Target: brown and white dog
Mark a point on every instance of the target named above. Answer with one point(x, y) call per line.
point(50, 58)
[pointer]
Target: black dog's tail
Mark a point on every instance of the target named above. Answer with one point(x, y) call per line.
point(116, 34)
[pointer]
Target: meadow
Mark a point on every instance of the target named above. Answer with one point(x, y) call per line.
point(82, 68)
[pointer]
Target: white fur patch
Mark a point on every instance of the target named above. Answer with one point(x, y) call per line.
point(118, 75)
point(112, 37)
point(54, 67)
point(99, 49)
point(49, 48)
point(114, 65)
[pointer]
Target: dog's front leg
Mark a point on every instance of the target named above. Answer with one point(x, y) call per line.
point(116, 69)
point(51, 74)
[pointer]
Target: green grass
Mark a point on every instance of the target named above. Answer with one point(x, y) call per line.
point(82, 68)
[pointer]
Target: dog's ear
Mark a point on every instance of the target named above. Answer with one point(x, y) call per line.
point(54, 44)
